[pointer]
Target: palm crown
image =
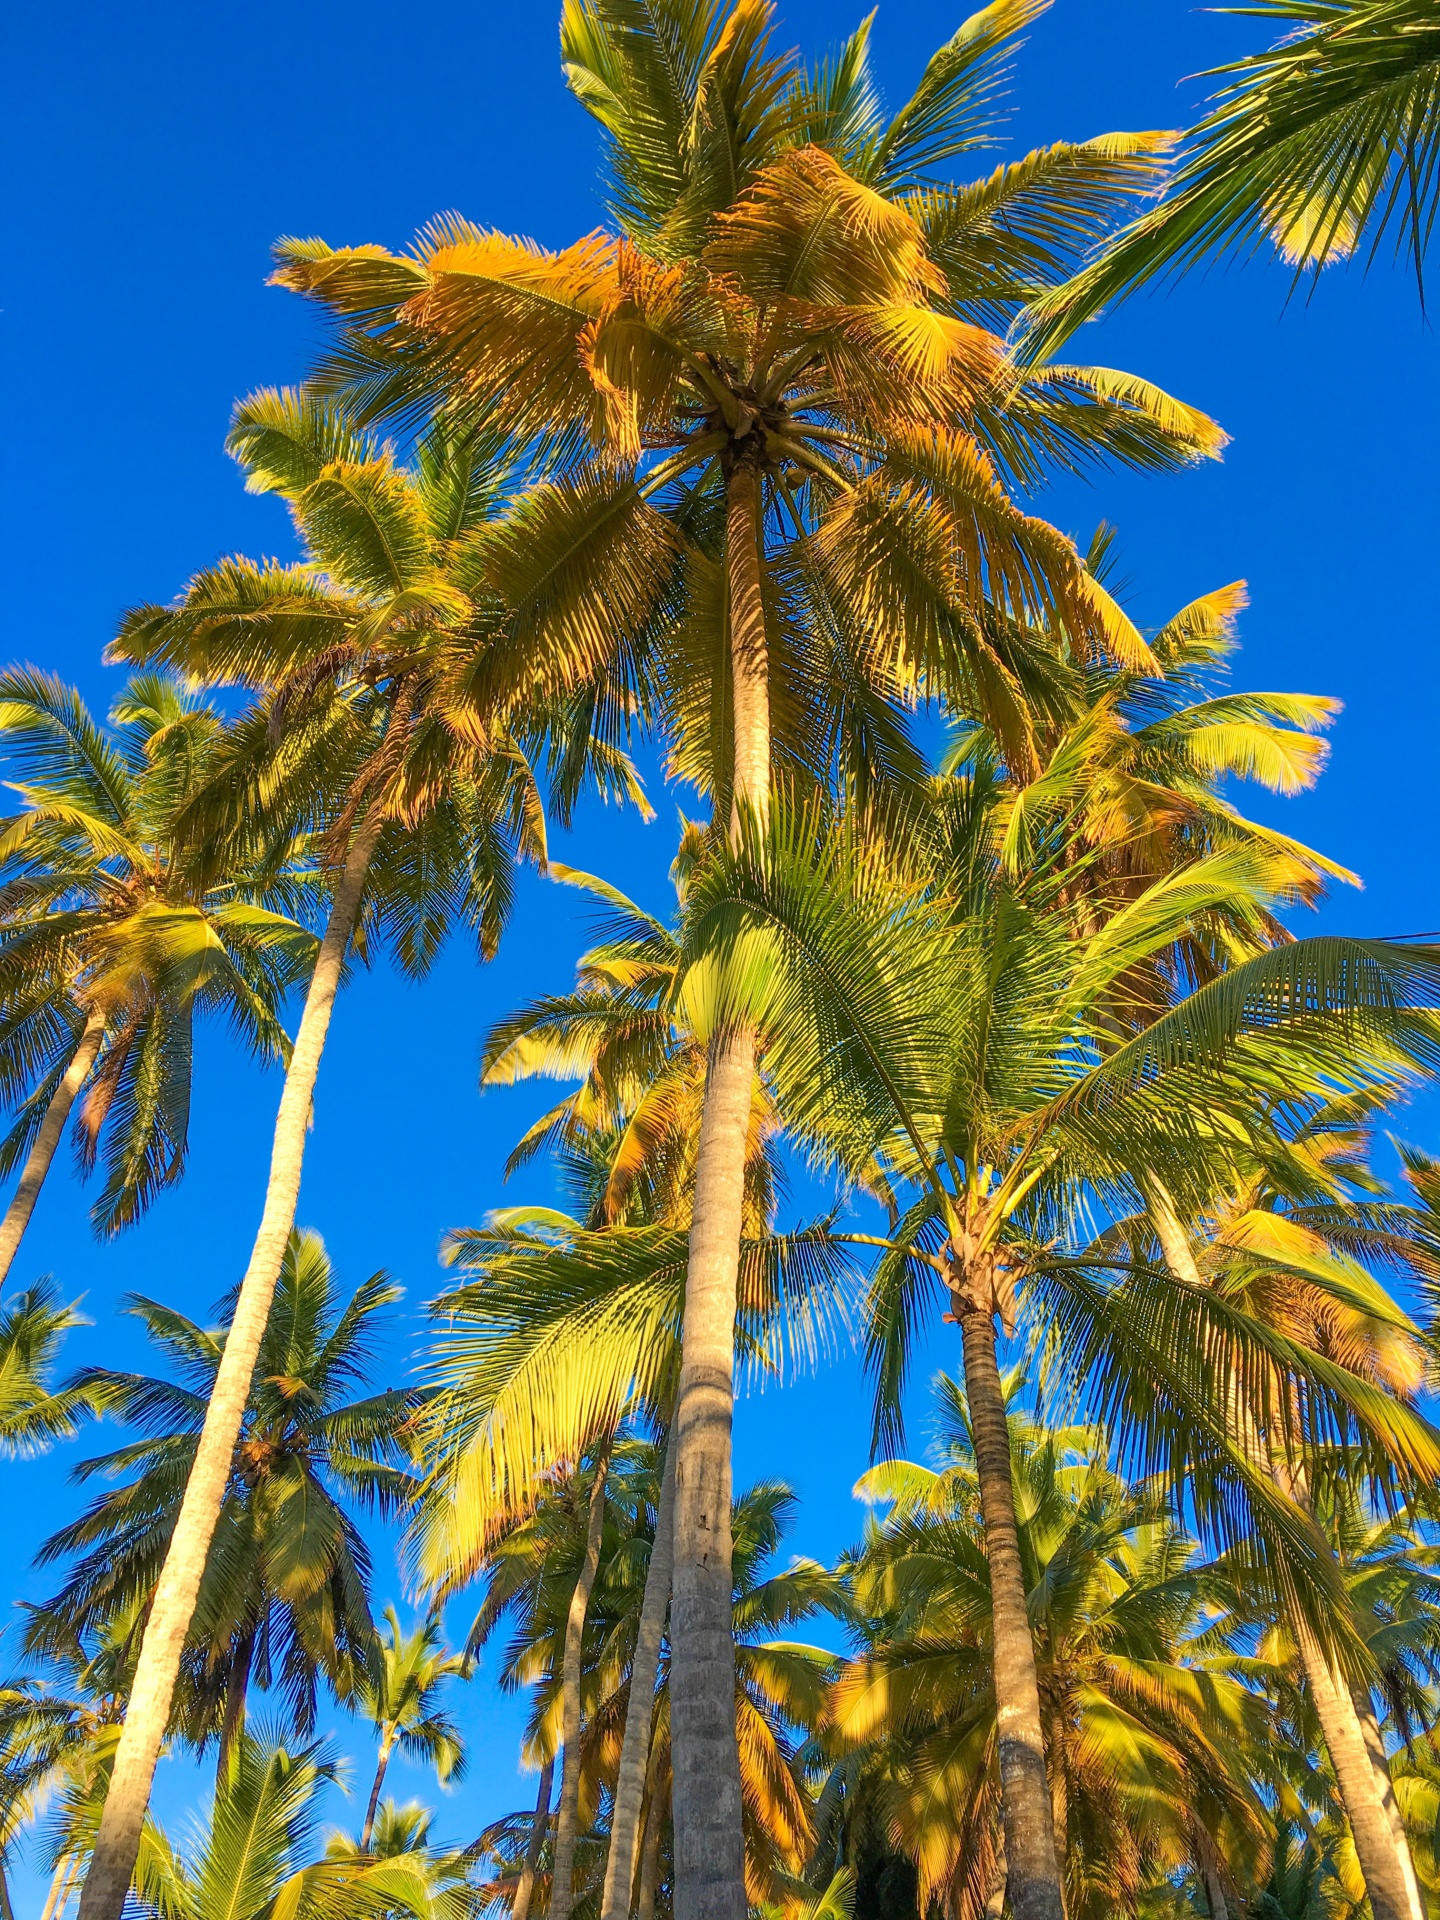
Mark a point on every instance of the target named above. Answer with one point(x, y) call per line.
point(285, 1595)
point(119, 926)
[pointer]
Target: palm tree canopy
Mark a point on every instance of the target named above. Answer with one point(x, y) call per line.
point(285, 1592)
point(1146, 1731)
point(108, 903)
point(1329, 139)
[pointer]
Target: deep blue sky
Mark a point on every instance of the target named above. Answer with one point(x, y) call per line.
point(153, 154)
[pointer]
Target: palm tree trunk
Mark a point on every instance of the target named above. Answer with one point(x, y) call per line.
point(148, 1714)
point(1375, 1847)
point(1385, 1786)
point(233, 1724)
point(1381, 1850)
point(42, 1150)
point(640, 1708)
point(367, 1833)
point(534, 1846)
point(1032, 1862)
point(995, 1899)
point(61, 1882)
point(7, 1912)
point(654, 1834)
point(709, 1836)
point(567, 1824)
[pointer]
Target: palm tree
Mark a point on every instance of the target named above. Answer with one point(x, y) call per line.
point(114, 929)
point(34, 1412)
point(255, 1855)
point(542, 1575)
point(402, 1704)
point(787, 413)
point(353, 653)
point(779, 1686)
point(1289, 1242)
point(284, 1599)
point(979, 1037)
point(1156, 1755)
point(1327, 139)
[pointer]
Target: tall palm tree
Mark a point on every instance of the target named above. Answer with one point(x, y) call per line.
point(284, 1599)
point(115, 928)
point(402, 1703)
point(787, 413)
point(978, 1037)
point(1299, 1242)
point(1156, 1755)
point(425, 812)
point(1328, 139)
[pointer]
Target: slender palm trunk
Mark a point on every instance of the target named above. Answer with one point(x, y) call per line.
point(709, 1837)
point(567, 1824)
point(534, 1846)
point(1033, 1866)
point(640, 1708)
point(387, 1742)
point(7, 1912)
point(233, 1724)
point(1385, 1787)
point(61, 1883)
point(1380, 1847)
point(1214, 1887)
point(654, 1834)
point(148, 1714)
point(1375, 1847)
point(42, 1151)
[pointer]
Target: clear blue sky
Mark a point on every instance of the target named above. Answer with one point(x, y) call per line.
point(153, 154)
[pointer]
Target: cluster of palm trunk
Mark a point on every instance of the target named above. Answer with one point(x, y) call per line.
point(747, 468)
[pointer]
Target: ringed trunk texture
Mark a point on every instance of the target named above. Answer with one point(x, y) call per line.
point(7, 1912)
point(42, 1152)
point(382, 1761)
point(148, 1714)
point(1032, 1863)
point(640, 1709)
point(539, 1829)
point(1364, 1778)
point(709, 1840)
point(567, 1825)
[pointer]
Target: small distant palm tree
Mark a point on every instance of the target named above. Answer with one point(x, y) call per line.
point(402, 1704)
point(34, 1412)
point(116, 927)
point(255, 1855)
point(284, 1600)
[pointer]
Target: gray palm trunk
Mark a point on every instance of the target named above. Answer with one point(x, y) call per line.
point(158, 1668)
point(535, 1845)
point(709, 1838)
point(640, 1708)
point(567, 1824)
point(1363, 1776)
point(1033, 1885)
point(650, 1847)
point(42, 1149)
